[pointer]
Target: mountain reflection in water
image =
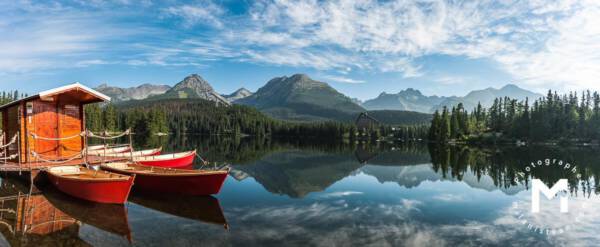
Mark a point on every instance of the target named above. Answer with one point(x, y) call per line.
point(399, 195)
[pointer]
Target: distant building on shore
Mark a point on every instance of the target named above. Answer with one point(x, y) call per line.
point(364, 121)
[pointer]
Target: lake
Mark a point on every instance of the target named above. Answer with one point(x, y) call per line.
point(315, 193)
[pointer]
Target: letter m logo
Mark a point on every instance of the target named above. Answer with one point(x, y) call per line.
point(538, 186)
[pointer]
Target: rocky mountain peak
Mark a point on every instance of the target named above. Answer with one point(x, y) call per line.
point(303, 81)
point(411, 91)
point(194, 82)
point(194, 86)
point(300, 77)
point(238, 94)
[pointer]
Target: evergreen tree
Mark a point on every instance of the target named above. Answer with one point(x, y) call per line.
point(444, 126)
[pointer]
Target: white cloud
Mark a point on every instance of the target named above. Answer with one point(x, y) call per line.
point(341, 194)
point(543, 44)
point(205, 13)
point(37, 36)
point(451, 80)
point(86, 63)
point(537, 42)
point(368, 224)
point(570, 57)
point(449, 197)
point(342, 79)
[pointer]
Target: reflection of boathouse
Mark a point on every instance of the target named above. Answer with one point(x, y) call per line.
point(28, 219)
point(364, 121)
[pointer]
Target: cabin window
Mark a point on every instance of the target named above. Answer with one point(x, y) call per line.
point(29, 108)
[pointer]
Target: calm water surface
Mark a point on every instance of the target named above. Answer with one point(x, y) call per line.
point(315, 194)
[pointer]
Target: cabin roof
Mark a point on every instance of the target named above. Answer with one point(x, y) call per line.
point(84, 94)
point(365, 115)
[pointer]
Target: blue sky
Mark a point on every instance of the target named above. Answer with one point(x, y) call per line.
point(360, 47)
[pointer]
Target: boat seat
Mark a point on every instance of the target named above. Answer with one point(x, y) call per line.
point(121, 166)
point(146, 171)
point(66, 170)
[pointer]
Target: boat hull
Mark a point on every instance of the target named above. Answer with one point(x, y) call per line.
point(183, 182)
point(200, 185)
point(185, 162)
point(103, 191)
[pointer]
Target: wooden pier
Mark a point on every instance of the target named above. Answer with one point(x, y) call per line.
point(18, 167)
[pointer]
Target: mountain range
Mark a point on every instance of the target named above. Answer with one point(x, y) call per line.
point(413, 100)
point(133, 93)
point(300, 98)
point(405, 100)
point(192, 86)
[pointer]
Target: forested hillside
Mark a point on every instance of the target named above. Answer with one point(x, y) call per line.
point(197, 116)
point(394, 117)
point(567, 117)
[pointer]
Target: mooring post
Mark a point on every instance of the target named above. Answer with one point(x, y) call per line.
point(85, 146)
point(130, 144)
point(104, 141)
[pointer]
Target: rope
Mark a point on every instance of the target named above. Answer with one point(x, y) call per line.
point(105, 135)
point(9, 157)
point(223, 167)
point(13, 140)
point(39, 156)
point(204, 162)
point(56, 139)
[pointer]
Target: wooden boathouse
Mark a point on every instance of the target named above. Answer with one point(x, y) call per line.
point(45, 129)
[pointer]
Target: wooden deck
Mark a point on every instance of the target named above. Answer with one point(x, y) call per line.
point(16, 167)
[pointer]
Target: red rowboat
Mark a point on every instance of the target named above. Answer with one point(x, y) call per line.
point(103, 151)
point(87, 184)
point(148, 152)
point(175, 160)
point(175, 181)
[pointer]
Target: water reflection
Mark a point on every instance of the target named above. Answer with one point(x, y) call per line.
point(28, 219)
point(107, 217)
point(206, 209)
point(297, 173)
point(406, 195)
point(46, 217)
point(322, 194)
point(504, 166)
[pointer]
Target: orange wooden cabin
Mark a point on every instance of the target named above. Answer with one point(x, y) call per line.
point(41, 120)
